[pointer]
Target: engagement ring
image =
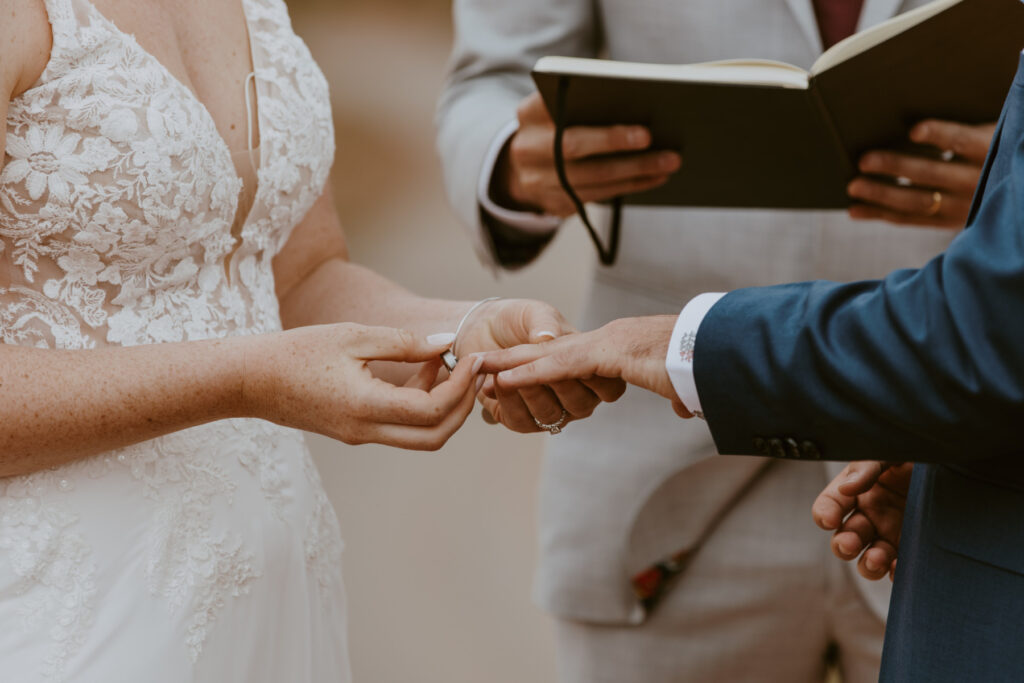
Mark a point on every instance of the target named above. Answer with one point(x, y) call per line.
point(556, 427)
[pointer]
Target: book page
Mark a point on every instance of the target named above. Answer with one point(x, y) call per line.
point(732, 71)
point(867, 39)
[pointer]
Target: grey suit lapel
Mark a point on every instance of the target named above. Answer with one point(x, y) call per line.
point(877, 11)
point(874, 12)
point(803, 11)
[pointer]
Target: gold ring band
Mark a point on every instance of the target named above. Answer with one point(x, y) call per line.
point(936, 204)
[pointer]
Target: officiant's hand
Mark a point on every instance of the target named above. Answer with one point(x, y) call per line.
point(917, 190)
point(601, 163)
point(317, 378)
point(511, 322)
point(631, 348)
point(864, 505)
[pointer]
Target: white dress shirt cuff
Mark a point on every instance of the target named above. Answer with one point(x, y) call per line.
point(526, 221)
point(679, 360)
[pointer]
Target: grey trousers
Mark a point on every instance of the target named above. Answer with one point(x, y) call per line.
point(762, 601)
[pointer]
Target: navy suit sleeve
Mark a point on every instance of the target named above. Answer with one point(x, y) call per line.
point(925, 365)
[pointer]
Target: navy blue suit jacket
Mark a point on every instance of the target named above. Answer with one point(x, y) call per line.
point(927, 366)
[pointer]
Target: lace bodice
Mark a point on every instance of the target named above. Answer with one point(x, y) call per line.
point(118, 193)
point(174, 558)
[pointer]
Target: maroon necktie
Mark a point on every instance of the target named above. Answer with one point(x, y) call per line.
point(837, 19)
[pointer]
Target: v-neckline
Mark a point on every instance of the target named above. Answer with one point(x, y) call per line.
point(210, 121)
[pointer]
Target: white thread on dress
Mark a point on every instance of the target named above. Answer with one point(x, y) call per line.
point(116, 205)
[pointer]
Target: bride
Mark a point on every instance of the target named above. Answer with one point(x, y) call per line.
point(175, 303)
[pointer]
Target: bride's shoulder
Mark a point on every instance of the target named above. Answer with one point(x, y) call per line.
point(25, 42)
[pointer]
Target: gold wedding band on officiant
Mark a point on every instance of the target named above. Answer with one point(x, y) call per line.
point(936, 204)
point(555, 427)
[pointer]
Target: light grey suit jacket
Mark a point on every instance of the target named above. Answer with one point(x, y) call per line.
point(621, 492)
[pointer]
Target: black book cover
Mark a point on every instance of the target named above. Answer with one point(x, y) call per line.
point(773, 147)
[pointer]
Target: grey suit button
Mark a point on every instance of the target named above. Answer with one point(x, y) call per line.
point(809, 450)
point(793, 448)
point(777, 449)
point(760, 446)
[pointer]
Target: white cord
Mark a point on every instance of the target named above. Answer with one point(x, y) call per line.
point(466, 317)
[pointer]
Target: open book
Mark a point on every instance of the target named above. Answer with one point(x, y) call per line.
point(760, 133)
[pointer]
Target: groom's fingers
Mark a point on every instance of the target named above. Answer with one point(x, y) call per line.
point(839, 498)
point(860, 476)
point(877, 560)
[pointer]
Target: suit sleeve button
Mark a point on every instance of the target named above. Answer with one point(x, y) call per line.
point(760, 446)
point(776, 449)
point(793, 448)
point(810, 451)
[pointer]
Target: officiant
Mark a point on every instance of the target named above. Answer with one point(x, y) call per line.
point(660, 560)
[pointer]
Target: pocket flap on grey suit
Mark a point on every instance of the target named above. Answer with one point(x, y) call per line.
point(978, 519)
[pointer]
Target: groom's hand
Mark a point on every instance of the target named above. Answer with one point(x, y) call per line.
point(512, 322)
point(633, 349)
point(864, 505)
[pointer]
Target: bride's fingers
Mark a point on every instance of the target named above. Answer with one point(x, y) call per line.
point(575, 397)
point(512, 410)
point(542, 404)
point(608, 389)
point(424, 438)
point(386, 403)
point(387, 343)
point(426, 377)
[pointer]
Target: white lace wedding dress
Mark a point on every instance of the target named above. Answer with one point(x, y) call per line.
point(210, 554)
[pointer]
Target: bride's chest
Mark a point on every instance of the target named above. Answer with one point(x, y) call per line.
point(114, 153)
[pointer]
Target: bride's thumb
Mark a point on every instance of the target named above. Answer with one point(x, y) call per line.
point(386, 343)
point(546, 323)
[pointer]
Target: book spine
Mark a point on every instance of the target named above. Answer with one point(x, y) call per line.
point(849, 164)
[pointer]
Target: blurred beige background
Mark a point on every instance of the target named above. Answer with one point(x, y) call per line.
point(440, 546)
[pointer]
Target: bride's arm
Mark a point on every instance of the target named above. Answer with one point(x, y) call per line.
point(316, 284)
point(57, 406)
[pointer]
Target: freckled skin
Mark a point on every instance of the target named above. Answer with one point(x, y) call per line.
point(59, 406)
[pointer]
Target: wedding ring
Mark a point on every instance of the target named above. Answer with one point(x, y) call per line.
point(947, 155)
point(936, 204)
point(556, 427)
point(903, 181)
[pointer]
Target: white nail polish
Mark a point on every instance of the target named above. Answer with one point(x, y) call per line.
point(545, 333)
point(441, 339)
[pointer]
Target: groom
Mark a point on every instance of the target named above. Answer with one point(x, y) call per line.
point(924, 365)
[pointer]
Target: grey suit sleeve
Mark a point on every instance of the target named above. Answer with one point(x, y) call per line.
point(497, 43)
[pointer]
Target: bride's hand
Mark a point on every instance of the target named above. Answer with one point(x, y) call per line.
point(316, 378)
point(510, 322)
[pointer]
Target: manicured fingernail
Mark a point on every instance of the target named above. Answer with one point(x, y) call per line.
point(546, 335)
point(480, 381)
point(441, 339)
point(478, 360)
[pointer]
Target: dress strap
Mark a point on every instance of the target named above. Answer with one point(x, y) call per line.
point(66, 16)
